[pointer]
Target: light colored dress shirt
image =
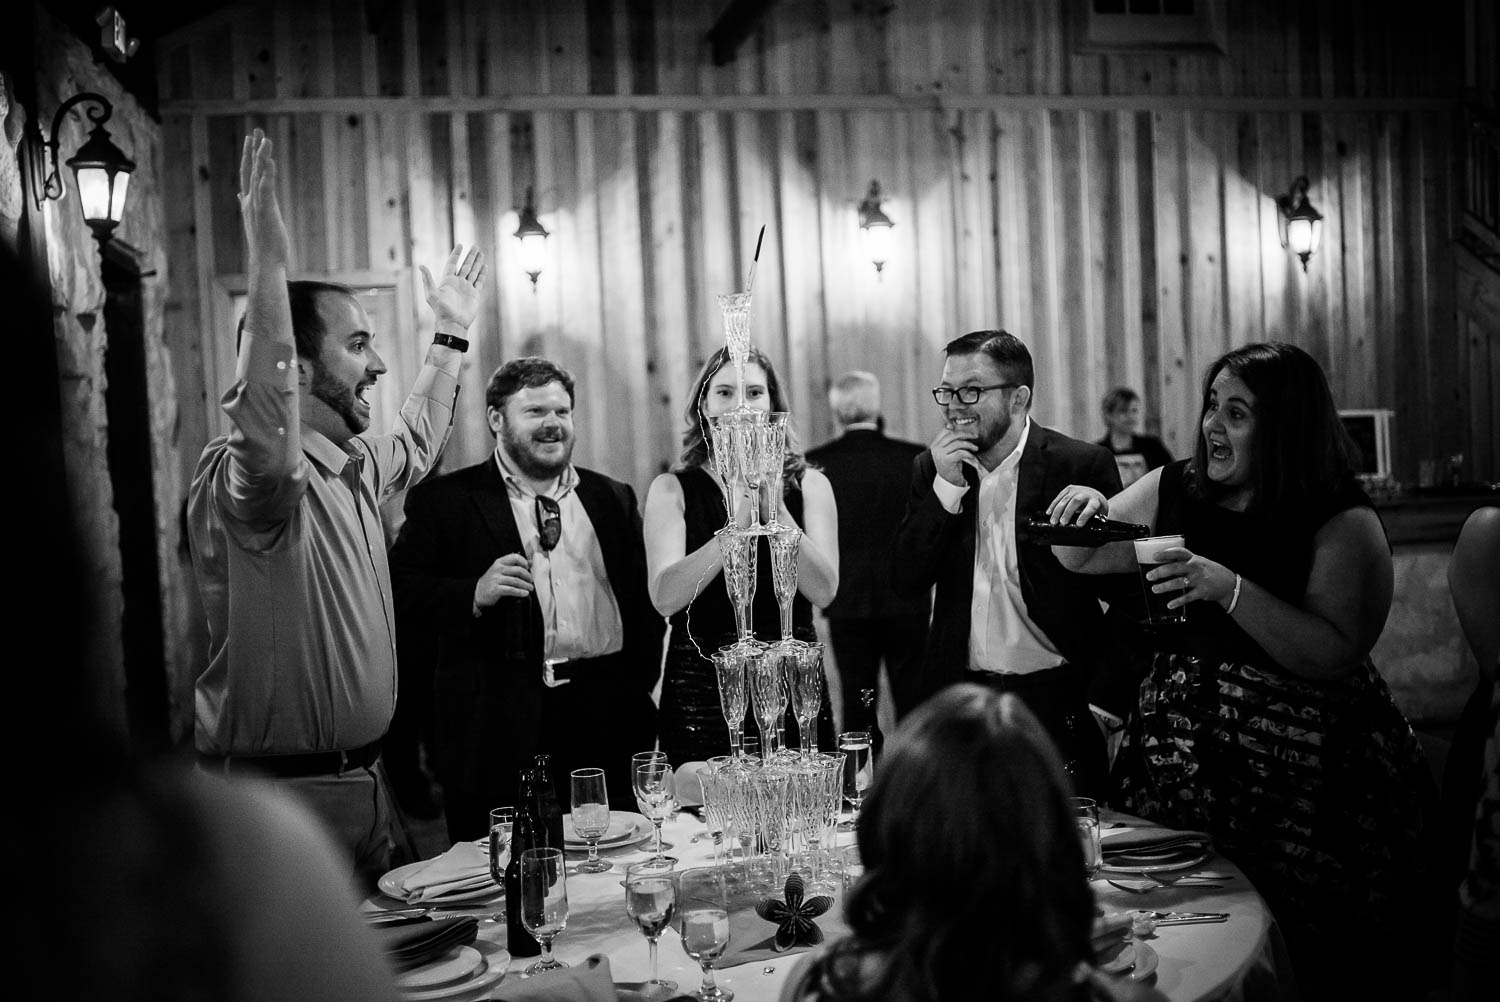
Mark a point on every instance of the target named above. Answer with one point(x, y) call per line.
point(291, 564)
point(579, 614)
point(1002, 637)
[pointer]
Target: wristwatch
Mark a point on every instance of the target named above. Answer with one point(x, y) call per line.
point(449, 341)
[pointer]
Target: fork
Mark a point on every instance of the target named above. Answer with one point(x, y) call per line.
point(1155, 885)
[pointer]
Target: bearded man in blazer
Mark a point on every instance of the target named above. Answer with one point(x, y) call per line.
point(1007, 616)
point(528, 577)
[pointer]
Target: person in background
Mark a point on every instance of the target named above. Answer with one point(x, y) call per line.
point(684, 508)
point(531, 575)
point(286, 534)
point(152, 882)
point(973, 870)
point(1135, 454)
point(867, 622)
point(1005, 615)
point(1261, 720)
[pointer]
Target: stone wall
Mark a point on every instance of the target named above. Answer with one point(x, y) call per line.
point(65, 66)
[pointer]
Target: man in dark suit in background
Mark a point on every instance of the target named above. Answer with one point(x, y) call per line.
point(532, 574)
point(867, 621)
point(1005, 615)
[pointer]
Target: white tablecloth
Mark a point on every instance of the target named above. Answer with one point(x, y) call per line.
point(1241, 959)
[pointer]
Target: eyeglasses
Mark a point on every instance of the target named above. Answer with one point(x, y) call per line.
point(968, 395)
point(548, 522)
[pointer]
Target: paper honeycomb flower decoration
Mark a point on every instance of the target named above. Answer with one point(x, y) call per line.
point(794, 916)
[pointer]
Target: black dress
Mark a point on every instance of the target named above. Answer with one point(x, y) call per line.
point(691, 724)
point(1319, 790)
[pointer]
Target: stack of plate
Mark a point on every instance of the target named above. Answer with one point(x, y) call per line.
point(465, 974)
point(625, 828)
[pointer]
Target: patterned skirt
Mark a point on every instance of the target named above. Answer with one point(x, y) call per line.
point(1318, 790)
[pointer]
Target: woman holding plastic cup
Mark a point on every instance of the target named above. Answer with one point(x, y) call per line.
point(1261, 719)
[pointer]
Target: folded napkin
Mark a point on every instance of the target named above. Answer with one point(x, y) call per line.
point(420, 943)
point(465, 867)
point(688, 786)
point(589, 981)
point(1153, 843)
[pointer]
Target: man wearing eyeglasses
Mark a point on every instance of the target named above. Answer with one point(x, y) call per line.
point(530, 574)
point(1006, 616)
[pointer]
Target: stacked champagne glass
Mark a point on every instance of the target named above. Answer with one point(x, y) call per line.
point(774, 807)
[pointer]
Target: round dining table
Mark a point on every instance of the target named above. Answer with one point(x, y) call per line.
point(1240, 959)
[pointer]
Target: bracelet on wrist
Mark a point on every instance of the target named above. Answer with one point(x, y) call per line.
point(1234, 599)
point(449, 341)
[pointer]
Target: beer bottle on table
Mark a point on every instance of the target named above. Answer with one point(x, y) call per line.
point(549, 813)
point(523, 836)
point(872, 724)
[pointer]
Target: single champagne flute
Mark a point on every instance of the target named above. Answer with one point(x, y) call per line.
point(651, 901)
point(807, 693)
point(544, 902)
point(703, 922)
point(640, 758)
point(857, 772)
point(729, 666)
point(654, 793)
point(590, 815)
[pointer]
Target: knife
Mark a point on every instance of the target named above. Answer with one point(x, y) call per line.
point(1187, 918)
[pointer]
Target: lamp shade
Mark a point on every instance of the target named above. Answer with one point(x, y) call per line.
point(102, 173)
point(875, 229)
point(533, 237)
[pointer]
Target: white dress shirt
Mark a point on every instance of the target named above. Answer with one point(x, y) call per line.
point(1002, 637)
point(579, 612)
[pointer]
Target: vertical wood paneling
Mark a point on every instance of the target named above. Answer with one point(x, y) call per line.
point(1176, 381)
point(1122, 246)
point(669, 337)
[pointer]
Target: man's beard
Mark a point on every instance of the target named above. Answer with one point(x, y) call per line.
point(341, 398)
point(997, 431)
point(522, 454)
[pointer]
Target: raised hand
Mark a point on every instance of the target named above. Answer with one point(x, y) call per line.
point(265, 231)
point(455, 299)
point(951, 451)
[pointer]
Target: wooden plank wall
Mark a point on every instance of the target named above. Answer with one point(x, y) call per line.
point(1115, 211)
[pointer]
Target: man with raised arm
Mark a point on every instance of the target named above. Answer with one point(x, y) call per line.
point(286, 533)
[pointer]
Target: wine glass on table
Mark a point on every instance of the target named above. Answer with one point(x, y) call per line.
point(640, 758)
point(654, 790)
point(651, 901)
point(544, 902)
point(590, 815)
point(857, 772)
point(501, 819)
point(703, 922)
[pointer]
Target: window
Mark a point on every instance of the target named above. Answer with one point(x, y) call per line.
point(1154, 24)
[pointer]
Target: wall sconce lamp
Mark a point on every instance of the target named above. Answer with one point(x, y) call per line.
point(533, 237)
point(1301, 225)
point(875, 228)
point(101, 171)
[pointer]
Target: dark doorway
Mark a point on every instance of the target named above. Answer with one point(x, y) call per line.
point(128, 410)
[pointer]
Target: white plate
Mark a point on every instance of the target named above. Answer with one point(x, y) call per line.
point(390, 884)
point(495, 960)
point(1186, 863)
point(459, 963)
point(1145, 962)
point(624, 827)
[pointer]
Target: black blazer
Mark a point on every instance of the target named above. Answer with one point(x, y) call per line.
point(488, 690)
point(869, 474)
point(936, 548)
